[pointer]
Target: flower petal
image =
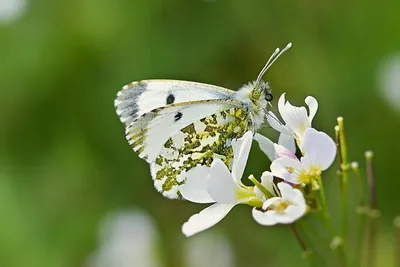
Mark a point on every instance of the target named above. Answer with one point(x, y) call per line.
point(296, 118)
point(206, 218)
point(279, 169)
point(267, 180)
point(241, 149)
point(312, 104)
point(284, 218)
point(296, 211)
point(276, 123)
point(287, 141)
point(282, 152)
point(320, 148)
point(219, 183)
point(287, 191)
point(269, 202)
point(195, 189)
point(266, 218)
point(266, 146)
point(281, 103)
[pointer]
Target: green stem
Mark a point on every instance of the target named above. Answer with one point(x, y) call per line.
point(307, 252)
point(262, 188)
point(397, 240)
point(325, 211)
point(344, 166)
point(361, 216)
point(372, 227)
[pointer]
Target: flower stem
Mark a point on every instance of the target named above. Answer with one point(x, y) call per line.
point(337, 244)
point(325, 211)
point(262, 188)
point(361, 215)
point(373, 212)
point(361, 192)
point(307, 252)
point(397, 240)
point(344, 166)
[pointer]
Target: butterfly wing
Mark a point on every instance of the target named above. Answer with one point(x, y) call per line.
point(176, 125)
point(138, 98)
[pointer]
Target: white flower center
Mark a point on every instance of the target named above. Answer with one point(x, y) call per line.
point(281, 205)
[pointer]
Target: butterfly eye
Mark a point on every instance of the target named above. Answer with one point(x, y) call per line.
point(269, 97)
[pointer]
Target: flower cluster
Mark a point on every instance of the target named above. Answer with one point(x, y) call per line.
point(280, 197)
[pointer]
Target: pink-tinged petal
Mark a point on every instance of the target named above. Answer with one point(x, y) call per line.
point(282, 152)
point(266, 146)
point(220, 184)
point(206, 218)
point(312, 104)
point(266, 218)
point(241, 149)
point(194, 189)
point(283, 173)
point(288, 142)
point(289, 162)
point(275, 123)
point(269, 202)
point(320, 147)
point(279, 168)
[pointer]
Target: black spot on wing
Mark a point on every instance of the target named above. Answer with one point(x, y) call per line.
point(178, 116)
point(170, 99)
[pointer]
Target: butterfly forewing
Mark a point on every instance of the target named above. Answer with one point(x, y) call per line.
point(138, 98)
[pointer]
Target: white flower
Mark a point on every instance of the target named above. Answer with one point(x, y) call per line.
point(11, 10)
point(220, 186)
point(127, 238)
point(389, 80)
point(319, 151)
point(296, 119)
point(208, 249)
point(285, 209)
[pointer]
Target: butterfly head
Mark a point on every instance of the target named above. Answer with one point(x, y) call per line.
point(260, 91)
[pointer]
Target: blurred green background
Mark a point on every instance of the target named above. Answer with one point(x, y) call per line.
point(64, 160)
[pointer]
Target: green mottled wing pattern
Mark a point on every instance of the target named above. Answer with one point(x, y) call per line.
point(198, 144)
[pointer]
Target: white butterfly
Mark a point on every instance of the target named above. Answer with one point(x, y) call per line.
point(178, 125)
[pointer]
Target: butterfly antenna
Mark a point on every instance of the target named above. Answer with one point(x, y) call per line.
point(277, 53)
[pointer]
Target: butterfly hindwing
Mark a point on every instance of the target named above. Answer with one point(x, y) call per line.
point(197, 144)
point(148, 133)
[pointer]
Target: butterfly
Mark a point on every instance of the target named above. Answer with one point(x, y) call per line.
point(178, 125)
